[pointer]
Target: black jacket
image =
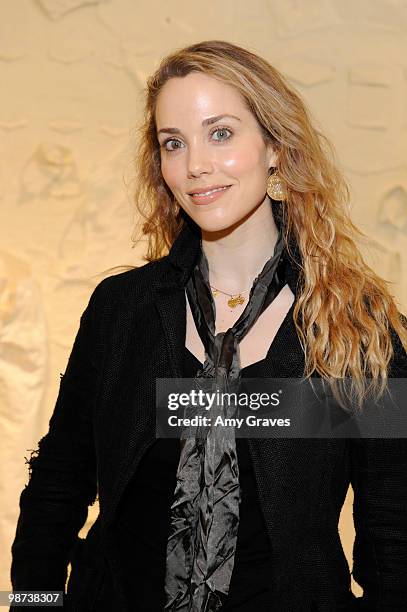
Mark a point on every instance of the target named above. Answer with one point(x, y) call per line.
point(133, 331)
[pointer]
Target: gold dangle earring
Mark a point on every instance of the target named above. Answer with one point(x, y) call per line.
point(275, 187)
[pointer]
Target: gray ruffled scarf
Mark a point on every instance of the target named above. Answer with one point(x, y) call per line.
point(205, 511)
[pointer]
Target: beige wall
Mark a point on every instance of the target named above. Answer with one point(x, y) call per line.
point(72, 72)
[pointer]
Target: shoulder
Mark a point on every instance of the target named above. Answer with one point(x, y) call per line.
point(129, 287)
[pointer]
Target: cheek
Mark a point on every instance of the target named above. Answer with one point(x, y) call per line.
point(171, 174)
point(243, 161)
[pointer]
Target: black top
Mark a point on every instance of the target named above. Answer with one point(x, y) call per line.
point(147, 502)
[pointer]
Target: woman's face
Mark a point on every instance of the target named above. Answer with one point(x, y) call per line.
point(199, 152)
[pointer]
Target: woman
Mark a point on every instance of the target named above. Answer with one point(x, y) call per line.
point(263, 279)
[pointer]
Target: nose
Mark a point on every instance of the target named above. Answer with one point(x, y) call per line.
point(199, 160)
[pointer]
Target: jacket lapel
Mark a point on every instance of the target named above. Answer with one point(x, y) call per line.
point(158, 354)
point(170, 299)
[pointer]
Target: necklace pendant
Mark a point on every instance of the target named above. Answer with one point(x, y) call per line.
point(235, 301)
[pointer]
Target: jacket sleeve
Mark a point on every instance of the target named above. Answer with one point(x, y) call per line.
point(379, 482)
point(62, 481)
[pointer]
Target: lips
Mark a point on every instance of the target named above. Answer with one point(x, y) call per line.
point(207, 197)
point(207, 190)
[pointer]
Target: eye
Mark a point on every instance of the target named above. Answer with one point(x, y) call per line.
point(164, 144)
point(221, 129)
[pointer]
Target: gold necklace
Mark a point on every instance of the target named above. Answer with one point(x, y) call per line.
point(236, 299)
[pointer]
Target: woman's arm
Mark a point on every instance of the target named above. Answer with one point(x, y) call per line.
point(62, 483)
point(379, 481)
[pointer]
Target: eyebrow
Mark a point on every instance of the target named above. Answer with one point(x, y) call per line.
point(205, 122)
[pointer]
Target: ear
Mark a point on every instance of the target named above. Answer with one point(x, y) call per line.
point(271, 156)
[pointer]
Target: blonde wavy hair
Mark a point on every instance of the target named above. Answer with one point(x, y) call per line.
point(346, 309)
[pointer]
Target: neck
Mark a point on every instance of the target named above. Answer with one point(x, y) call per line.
point(237, 255)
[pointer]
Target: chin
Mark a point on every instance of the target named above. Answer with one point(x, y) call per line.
point(216, 225)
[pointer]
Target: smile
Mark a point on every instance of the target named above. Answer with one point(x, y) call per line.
point(197, 195)
point(209, 196)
